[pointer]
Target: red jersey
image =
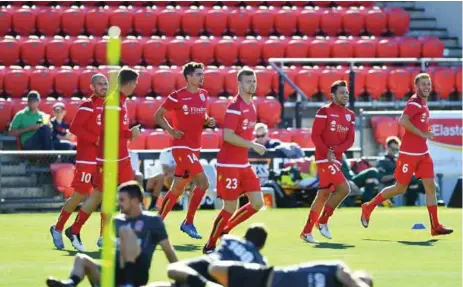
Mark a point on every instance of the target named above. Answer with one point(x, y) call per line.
point(241, 118)
point(84, 126)
point(418, 113)
point(334, 127)
point(189, 116)
point(124, 131)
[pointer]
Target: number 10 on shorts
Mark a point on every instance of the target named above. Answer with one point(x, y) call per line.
point(86, 177)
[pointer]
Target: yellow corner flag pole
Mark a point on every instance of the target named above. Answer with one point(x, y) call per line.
point(111, 153)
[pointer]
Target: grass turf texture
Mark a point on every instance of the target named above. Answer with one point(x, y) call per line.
point(395, 254)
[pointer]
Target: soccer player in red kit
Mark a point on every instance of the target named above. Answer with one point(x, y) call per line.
point(127, 79)
point(189, 105)
point(84, 127)
point(414, 158)
point(235, 175)
point(333, 133)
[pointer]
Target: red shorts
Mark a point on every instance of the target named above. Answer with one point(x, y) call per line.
point(124, 174)
point(186, 162)
point(232, 182)
point(330, 174)
point(407, 165)
point(84, 176)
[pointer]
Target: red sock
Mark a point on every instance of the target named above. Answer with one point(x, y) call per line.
point(80, 221)
point(327, 212)
point(63, 217)
point(375, 201)
point(167, 204)
point(219, 224)
point(432, 209)
point(311, 221)
point(239, 216)
point(198, 195)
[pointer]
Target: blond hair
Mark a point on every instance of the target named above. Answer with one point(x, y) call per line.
point(422, 76)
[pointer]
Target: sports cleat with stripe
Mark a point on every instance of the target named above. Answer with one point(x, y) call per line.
point(324, 230)
point(207, 250)
point(57, 237)
point(190, 229)
point(365, 217)
point(441, 230)
point(52, 282)
point(308, 237)
point(75, 240)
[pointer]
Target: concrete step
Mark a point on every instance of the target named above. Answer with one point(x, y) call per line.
point(16, 181)
point(415, 12)
point(450, 42)
point(45, 191)
point(454, 52)
point(423, 22)
point(9, 205)
point(436, 32)
point(13, 169)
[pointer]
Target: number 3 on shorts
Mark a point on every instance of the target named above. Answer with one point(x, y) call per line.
point(405, 168)
point(232, 183)
point(333, 168)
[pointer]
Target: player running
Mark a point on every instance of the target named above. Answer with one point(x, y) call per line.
point(84, 126)
point(310, 274)
point(189, 105)
point(333, 133)
point(127, 79)
point(414, 158)
point(235, 175)
point(138, 234)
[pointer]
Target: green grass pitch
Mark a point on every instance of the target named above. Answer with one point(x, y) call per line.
point(395, 254)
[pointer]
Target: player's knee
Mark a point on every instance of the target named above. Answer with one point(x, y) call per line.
point(203, 185)
point(172, 270)
point(229, 206)
point(401, 188)
point(257, 203)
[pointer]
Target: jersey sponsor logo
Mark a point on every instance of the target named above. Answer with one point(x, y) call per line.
point(193, 110)
point(424, 117)
point(138, 226)
point(334, 127)
point(348, 117)
point(247, 124)
point(185, 110)
point(202, 97)
point(98, 120)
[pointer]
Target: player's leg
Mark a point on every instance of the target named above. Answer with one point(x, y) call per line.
point(154, 186)
point(369, 179)
point(176, 189)
point(84, 265)
point(315, 209)
point(341, 192)
point(182, 273)
point(129, 253)
point(238, 274)
point(222, 219)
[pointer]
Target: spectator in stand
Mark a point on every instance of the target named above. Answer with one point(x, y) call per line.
point(62, 138)
point(32, 126)
point(286, 150)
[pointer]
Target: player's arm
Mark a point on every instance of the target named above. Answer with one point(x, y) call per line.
point(410, 111)
point(349, 140)
point(169, 250)
point(318, 128)
point(346, 278)
point(79, 123)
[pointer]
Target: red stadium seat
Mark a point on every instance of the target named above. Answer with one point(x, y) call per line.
point(178, 51)
point(443, 82)
point(250, 51)
point(286, 21)
point(297, 47)
point(97, 21)
point(303, 137)
point(145, 21)
point(100, 50)
point(384, 127)
point(365, 3)
point(169, 20)
point(387, 48)
point(85, 80)
point(307, 80)
point(353, 21)
point(345, 4)
point(331, 22)
point(6, 15)
point(398, 20)
point(376, 82)
point(10, 48)
point(41, 80)
point(158, 139)
point(399, 82)
point(365, 48)
point(49, 20)
point(144, 82)
point(216, 21)
point(321, 3)
point(320, 48)
point(327, 77)
point(33, 51)
point(155, 51)
point(17, 105)
point(202, 50)
point(280, 134)
point(231, 83)
point(264, 81)
point(214, 82)
point(193, 21)
point(123, 18)
point(81, 51)
point(66, 81)
point(239, 20)
point(360, 80)
point(431, 47)
point(263, 21)
point(458, 77)
point(342, 48)
point(375, 21)
point(414, 71)
point(23, 21)
point(46, 105)
point(5, 114)
point(163, 82)
point(140, 142)
point(72, 21)
point(268, 111)
point(216, 108)
point(226, 51)
point(132, 51)
point(210, 140)
point(57, 51)
point(2, 74)
point(409, 47)
point(288, 90)
point(63, 175)
point(132, 110)
point(273, 48)
point(16, 81)
point(72, 106)
point(308, 21)
point(180, 81)
point(146, 108)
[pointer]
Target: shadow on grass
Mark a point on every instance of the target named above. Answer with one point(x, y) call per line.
point(187, 247)
point(429, 242)
point(328, 245)
point(93, 254)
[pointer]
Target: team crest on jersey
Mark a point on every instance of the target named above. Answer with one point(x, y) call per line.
point(138, 226)
point(202, 97)
point(333, 126)
point(185, 109)
point(348, 117)
point(423, 117)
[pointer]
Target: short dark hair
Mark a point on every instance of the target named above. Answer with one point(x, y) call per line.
point(33, 96)
point(245, 72)
point(256, 234)
point(133, 188)
point(392, 139)
point(336, 84)
point(126, 75)
point(189, 68)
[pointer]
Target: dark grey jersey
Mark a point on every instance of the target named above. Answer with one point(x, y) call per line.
point(316, 274)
